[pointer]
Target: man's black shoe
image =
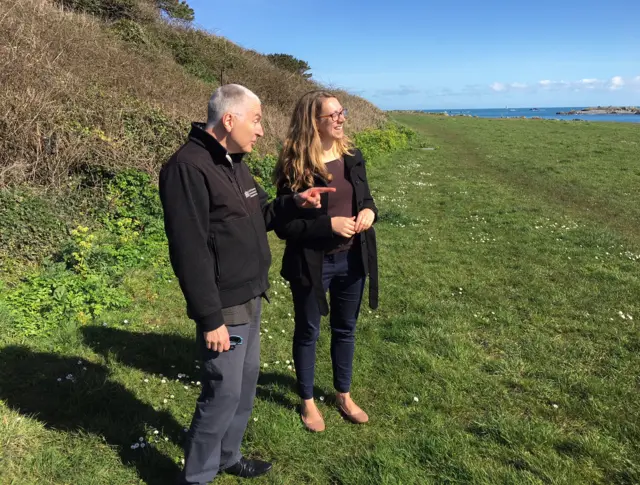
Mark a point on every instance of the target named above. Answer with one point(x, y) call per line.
point(248, 468)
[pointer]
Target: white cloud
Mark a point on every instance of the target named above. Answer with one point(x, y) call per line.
point(616, 83)
point(590, 83)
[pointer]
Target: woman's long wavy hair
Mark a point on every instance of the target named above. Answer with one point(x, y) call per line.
point(301, 155)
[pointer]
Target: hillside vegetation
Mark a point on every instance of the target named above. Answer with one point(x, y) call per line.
point(111, 84)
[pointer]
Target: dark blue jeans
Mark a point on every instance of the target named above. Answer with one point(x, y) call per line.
point(343, 276)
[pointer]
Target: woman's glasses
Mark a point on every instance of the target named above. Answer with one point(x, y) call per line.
point(336, 115)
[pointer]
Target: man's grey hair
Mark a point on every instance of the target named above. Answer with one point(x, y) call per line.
point(230, 98)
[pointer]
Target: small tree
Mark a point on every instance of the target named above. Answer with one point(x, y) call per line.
point(291, 64)
point(177, 9)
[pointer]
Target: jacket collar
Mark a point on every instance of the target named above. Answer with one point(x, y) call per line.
point(353, 159)
point(213, 146)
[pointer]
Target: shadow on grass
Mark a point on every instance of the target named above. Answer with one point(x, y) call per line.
point(169, 354)
point(87, 401)
point(153, 353)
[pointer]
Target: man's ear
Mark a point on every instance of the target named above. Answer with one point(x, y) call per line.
point(227, 122)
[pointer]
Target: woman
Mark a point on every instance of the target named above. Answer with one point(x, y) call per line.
point(332, 248)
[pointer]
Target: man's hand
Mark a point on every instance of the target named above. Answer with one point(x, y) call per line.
point(365, 220)
point(218, 339)
point(343, 226)
point(310, 198)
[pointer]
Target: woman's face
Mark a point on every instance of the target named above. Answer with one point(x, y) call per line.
point(331, 120)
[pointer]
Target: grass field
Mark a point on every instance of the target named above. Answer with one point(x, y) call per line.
point(506, 349)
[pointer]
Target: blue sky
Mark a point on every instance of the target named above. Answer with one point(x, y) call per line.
point(410, 54)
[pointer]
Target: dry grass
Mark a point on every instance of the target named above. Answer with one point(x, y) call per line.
point(74, 94)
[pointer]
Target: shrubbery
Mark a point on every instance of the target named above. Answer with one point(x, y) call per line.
point(82, 274)
point(391, 137)
point(83, 278)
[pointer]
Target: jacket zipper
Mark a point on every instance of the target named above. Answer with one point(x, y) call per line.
point(234, 181)
point(244, 203)
point(216, 262)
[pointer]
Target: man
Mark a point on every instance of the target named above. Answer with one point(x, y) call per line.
point(216, 220)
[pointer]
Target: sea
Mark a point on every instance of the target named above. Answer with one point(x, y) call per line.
point(546, 113)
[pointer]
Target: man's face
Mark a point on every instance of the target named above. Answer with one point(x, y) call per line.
point(246, 128)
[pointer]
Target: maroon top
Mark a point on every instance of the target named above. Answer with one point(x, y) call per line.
point(341, 203)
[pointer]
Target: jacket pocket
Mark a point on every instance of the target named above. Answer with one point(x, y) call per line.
point(216, 257)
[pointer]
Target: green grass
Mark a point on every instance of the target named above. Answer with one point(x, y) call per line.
point(506, 255)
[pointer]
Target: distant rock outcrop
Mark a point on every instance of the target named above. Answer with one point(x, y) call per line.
point(601, 110)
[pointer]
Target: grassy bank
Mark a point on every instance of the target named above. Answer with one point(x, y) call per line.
point(113, 84)
point(505, 349)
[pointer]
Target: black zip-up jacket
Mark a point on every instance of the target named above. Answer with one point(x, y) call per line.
point(310, 234)
point(216, 220)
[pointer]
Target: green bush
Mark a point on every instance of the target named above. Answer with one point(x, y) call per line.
point(262, 170)
point(29, 225)
point(54, 294)
point(108, 9)
point(149, 128)
point(202, 55)
point(84, 277)
point(391, 137)
point(130, 9)
point(291, 64)
point(131, 31)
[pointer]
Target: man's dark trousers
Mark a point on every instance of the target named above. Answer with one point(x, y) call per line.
point(224, 406)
